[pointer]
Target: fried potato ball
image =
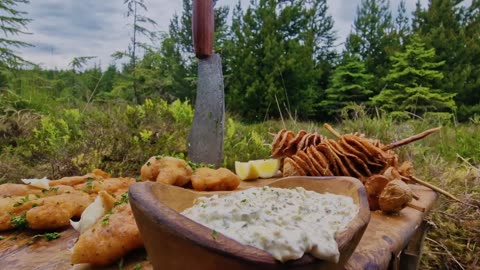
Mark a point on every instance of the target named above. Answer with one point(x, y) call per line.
point(168, 170)
point(206, 179)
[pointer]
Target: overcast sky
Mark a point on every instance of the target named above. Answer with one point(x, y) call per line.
point(64, 29)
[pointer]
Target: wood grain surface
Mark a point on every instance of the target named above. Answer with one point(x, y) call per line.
point(174, 241)
point(384, 238)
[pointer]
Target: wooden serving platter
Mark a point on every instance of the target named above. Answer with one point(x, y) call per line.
point(384, 240)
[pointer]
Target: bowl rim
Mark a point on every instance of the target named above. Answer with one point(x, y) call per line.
point(143, 197)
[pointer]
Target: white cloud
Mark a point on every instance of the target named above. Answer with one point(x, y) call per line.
point(64, 29)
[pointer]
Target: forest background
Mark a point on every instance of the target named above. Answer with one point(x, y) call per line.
point(395, 76)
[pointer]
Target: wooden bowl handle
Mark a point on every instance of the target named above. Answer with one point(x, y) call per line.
point(203, 27)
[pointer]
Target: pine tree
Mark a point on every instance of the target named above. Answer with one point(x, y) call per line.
point(139, 28)
point(178, 55)
point(411, 80)
point(441, 27)
point(372, 37)
point(276, 57)
point(12, 23)
point(349, 84)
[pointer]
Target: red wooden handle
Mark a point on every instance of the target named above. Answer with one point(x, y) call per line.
point(203, 27)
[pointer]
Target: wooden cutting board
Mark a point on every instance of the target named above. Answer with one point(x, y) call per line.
point(385, 237)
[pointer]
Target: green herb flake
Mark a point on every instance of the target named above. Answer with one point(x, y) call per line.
point(244, 200)
point(54, 189)
point(1, 237)
point(34, 205)
point(89, 184)
point(157, 157)
point(123, 199)
point(148, 163)
point(46, 236)
point(19, 221)
point(137, 266)
point(214, 235)
point(106, 218)
point(38, 196)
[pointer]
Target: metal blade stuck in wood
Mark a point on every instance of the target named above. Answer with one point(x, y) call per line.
point(205, 141)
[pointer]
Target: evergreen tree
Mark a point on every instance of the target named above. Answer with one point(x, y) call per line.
point(441, 27)
point(349, 84)
point(12, 23)
point(372, 37)
point(402, 28)
point(411, 80)
point(178, 55)
point(277, 52)
point(469, 97)
point(139, 28)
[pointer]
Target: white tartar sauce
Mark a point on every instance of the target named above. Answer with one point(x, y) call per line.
point(284, 222)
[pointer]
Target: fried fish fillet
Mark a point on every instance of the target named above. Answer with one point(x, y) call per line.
point(112, 237)
point(114, 186)
point(49, 209)
point(206, 179)
point(18, 190)
point(168, 170)
point(96, 174)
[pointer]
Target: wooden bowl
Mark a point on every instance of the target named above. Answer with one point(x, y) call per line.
point(174, 241)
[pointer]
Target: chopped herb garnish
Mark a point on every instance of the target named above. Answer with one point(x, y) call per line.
point(46, 236)
point(54, 189)
point(34, 205)
point(106, 218)
point(38, 196)
point(204, 206)
point(148, 163)
point(214, 235)
point(89, 184)
point(244, 201)
point(1, 237)
point(137, 266)
point(20, 221)
point(157, 157)
point(22, 201)
point(123, 199)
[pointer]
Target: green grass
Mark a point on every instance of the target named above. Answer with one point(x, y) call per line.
point(119, 138)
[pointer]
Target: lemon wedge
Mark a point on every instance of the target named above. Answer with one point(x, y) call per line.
point(245, 170)
point(266, 168)
point(253, 169)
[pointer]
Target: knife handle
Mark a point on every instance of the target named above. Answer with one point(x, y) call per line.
point(203, 27)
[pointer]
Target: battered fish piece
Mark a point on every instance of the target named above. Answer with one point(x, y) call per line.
point(18, 190)
point(96, 174)
point(167, 170)
point(206, 179)
point(114, 186)
point(56, 211)
point(49, 209)
point(111, 238)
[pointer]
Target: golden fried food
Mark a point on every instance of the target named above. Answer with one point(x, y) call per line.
point(49, 209)
point(395, 196)
point(96, 174)
point(374, 187)
point(112, 237)
point(168, 170)
point(56, 211)
point(114, 186)
point(103, 203)
point(206, 179)
point(18, 190)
